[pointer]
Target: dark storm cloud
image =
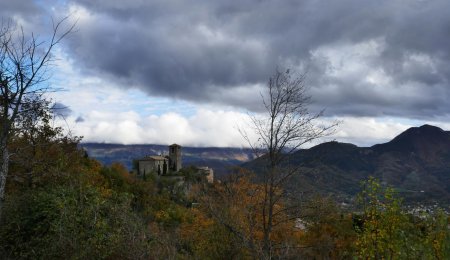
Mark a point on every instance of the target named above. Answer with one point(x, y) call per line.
point(18, 8)
point(61, 110)
point(80, 119)
point(30, 15)
point(364, 58)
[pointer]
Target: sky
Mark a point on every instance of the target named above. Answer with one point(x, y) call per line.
point(190, 72)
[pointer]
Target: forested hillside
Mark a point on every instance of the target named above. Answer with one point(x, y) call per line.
point(76, 208)
point(416, 163)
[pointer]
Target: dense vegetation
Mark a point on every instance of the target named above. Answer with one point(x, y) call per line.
point(62, 204)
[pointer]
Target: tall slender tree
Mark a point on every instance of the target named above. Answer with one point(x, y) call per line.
point(285, 126)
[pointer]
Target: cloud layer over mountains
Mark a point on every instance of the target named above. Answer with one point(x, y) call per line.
point(388, 58)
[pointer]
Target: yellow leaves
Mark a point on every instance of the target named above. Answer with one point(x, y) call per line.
point(239, 207)
point(199, 223)
point(94, 165)
point(384, 223)
point(105, 192)
point(162, 216)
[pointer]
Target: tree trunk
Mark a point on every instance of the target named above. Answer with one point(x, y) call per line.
point(3, 172)
point(269, 193)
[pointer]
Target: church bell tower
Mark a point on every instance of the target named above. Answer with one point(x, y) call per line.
point(175, 157)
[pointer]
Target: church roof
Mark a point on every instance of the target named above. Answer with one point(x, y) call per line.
point(153, 158)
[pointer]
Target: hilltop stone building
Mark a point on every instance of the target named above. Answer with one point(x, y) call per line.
point(208, 172)
point(161, 165)
point(152, 164)
point(168, 166)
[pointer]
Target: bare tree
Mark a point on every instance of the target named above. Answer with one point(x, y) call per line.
point(282, 130)
point(24, 63)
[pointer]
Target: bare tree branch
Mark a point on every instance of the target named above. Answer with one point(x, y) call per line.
point(24, 64)
point(282, 130)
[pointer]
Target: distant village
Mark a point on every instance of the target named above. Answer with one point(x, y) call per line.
point(168, 166)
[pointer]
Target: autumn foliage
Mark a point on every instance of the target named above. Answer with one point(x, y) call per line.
point(62, 204)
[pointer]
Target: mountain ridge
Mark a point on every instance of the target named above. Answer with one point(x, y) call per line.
point(416, 162)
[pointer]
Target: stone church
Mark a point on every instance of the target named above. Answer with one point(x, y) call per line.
point(161, 165)
point(168, 166)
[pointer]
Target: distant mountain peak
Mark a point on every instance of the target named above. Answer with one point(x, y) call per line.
point(424, 131)
point(429, 128)
point(333, 145)
point(425, 126)
point(424, 139)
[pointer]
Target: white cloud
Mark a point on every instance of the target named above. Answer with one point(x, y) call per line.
point(367, 131)
point(219, 128)
point(204, 128)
